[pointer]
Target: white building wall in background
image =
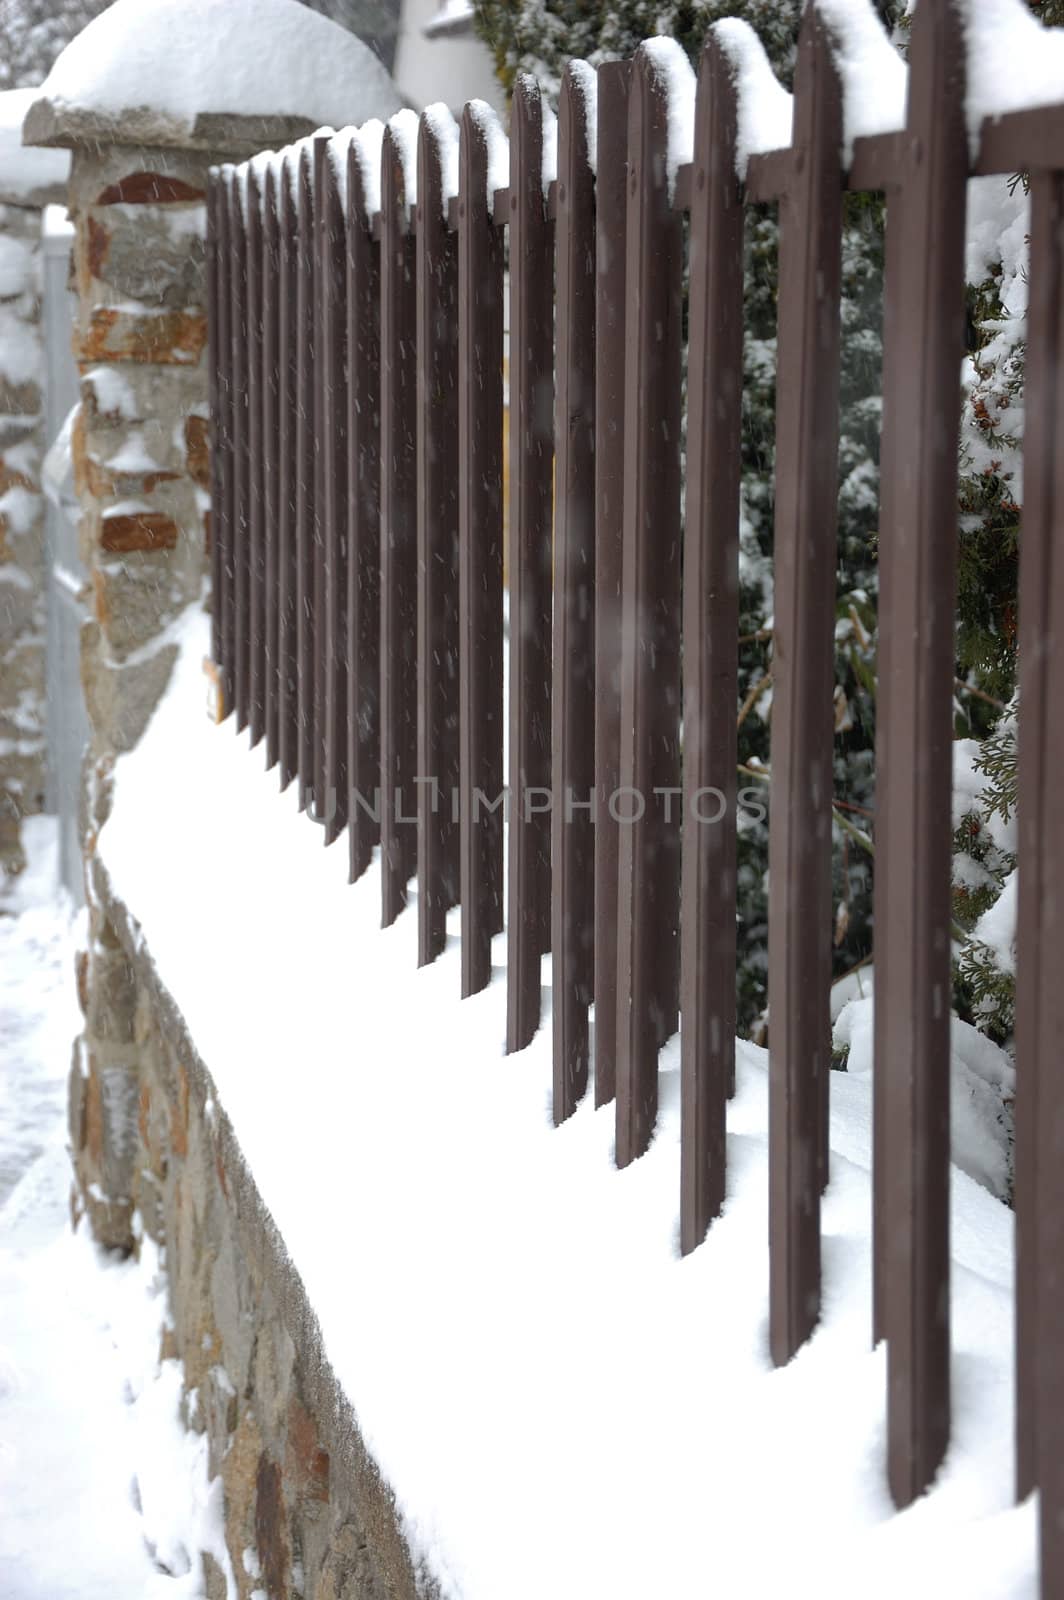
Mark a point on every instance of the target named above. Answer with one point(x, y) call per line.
point(450, 66)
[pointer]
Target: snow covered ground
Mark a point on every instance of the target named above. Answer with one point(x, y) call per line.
point(100, 1489)
point(562, 1404)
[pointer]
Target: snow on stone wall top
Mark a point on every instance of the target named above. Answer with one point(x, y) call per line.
point(27, 177)
point(194, 72)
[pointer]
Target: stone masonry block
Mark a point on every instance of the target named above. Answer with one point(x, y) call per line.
point(271, 1528)
point(118, 1095)
point(165, 337)
point(152, 254)
point(197, 450)
point(134, 597)
point(120, 700)
point(138, 530)
point(113, 997)
point(149, 189)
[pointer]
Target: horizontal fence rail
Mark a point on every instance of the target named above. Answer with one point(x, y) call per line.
point(357, 291)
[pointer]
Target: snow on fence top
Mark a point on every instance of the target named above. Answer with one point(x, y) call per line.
point(367, 142)
point(26, 176)
point(155, 67)
point(673, 66)
point(403, 128)
point(585, 78)
point(445, 132)
point(1014, 62)
point(498, 144)
point(336, 152)
point(765, 109)
point(875, 79)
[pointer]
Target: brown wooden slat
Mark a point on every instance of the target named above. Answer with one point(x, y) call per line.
point(480, 411)
point(710, 648)
point(1049, 1171)
point(611, 201)
point(531, 481)
point(238, 341)
point(332, 380)
point(768, 176)
point(289, 339)
point(305, 478)
point(363, 524)
point(256, 462)
point(319, 162)
point(220, 404)
point(437, 552)
point(917, 556)
point(682, 187)
point(573, 689)
point(878, 162)
point(648, 876)
point(800, 821)
point(214, 381)
point(1039, 1147)
point(398, 702)
point(224, 443)
point(1022, 141)
point(271, 445)
point(895, 245)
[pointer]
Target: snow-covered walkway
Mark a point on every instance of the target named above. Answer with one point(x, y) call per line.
point(88, 1419)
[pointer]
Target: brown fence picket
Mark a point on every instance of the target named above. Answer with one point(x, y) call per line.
point(213, 386)
point(288, 445)
point(529, 567)
point(917, 555)
point(437, 550)
point(238, 346)
point(306, 617)
point(1039, 1185)
point(363, 522)
point(895, 243)
point(573, 688)
point(271, 447)
point(710, 649)
point(398, 702)
point(611, 203)
point(332, 382)
point(480, 411)
point(221, 400)
point(319, 162)
point(800, 820)
point(648, 886)
point(256, 551)
point(227, 394)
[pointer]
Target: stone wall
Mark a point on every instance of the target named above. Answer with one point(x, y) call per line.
point(139, 445)
point(140, 462)
point(306, 1512)
point(140, 473)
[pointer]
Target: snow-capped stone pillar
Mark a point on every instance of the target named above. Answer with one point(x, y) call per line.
point(139, 448)
point(29, 180)
point(147, 98)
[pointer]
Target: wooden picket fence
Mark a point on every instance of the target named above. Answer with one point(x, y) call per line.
point(358, 416)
